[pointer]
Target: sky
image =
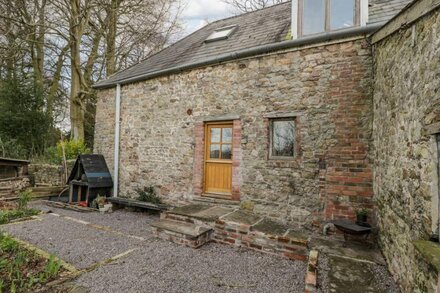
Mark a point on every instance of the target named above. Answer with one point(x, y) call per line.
point(197, 13)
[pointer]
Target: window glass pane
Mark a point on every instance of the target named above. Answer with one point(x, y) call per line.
point(313, 16)
point(341, 13)
point(226, 151)
point(227, 135)
point(215, 134)
point(214, 151)
point(283, 138)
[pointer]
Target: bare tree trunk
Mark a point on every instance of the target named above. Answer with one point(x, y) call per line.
point(111, 37)
point(76, 103)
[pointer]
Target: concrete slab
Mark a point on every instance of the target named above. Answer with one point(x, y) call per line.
point(242, 217)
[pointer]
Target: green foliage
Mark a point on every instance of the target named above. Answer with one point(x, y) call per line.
point(72, 149)
point(148, 194)
point(23, 199)
point(10, 148)
point(19, 269)
point(7, 216)
point(24, 123)
point(50, 270)
point(99, 201)
point(362, 212)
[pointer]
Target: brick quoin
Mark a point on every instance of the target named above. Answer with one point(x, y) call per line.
point(347, 180)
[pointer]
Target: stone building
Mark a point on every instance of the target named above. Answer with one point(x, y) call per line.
point(309, 110)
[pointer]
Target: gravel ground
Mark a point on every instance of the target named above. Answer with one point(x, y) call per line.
point(161, 266)
point(137, 224)
point(154, 265)
point(323, 281)
point(75, 243)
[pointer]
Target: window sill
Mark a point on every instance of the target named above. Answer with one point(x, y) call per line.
point(283, 162)
point(430, 251)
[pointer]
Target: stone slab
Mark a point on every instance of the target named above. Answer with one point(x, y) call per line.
point(242, 217)
point(297, 237)
point(212, 213)
point(348, 275)
point(181, 227)
point(270, 227)
point(341, 248)
point(190, 210)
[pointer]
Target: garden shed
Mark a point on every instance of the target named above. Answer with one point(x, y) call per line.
point(89, 178)
point(13, 176)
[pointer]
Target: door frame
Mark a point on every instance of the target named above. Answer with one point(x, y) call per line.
point(206, 159)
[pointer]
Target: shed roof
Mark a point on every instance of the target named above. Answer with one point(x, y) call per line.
point(13, 162)
point(266, 26)
point(95, 169)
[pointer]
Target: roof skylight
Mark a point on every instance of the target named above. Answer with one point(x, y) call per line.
point(221, 34)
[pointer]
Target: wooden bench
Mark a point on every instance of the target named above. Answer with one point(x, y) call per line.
point(132, 203)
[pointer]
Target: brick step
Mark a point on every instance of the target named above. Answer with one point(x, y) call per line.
point(259, 233)
point(183, 233)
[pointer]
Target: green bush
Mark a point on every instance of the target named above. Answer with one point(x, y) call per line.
point(72, 149)
point(23, 199)
point(11, 148)
point(148, 194)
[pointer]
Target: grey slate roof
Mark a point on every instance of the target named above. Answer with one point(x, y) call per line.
point(266, 26)
point(384, 10)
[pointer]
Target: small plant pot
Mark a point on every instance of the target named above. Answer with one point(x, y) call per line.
point(361, 219)
point(105, 208)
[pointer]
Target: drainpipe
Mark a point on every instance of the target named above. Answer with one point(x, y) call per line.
point(117, 130)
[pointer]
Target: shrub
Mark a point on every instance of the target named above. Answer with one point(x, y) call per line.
point(11, 148)
point(72, 148)
point(99, 201)
point(23, 199)
point(148, 194)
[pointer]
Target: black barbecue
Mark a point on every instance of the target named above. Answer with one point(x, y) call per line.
point(89, 178)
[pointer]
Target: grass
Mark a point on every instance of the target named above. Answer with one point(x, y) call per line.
point(10, 212)
point(22, 270)
point(7, 216)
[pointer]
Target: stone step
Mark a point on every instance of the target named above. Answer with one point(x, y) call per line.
point(198, 214)
point(246, 229)
point(184, 233)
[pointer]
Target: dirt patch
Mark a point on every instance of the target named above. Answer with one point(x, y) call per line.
point(7, 205)
point(22, 269)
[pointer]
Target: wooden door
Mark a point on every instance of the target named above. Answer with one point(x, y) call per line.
point(218, 159)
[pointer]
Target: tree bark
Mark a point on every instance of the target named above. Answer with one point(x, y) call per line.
point(76, 103)
point(111, 37)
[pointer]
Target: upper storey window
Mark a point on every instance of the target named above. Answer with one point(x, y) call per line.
point(318, 16)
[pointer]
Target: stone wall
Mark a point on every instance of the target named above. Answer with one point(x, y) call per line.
point(406, 103)
point(49, 174)
point(327, 87)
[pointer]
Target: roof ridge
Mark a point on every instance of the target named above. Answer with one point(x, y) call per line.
point(250, 12)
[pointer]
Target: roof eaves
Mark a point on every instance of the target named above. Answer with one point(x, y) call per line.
point(263, 49)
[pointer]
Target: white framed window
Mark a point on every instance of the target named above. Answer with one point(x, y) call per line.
point(282, 142)
point(317, 16)
point(221, 34)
